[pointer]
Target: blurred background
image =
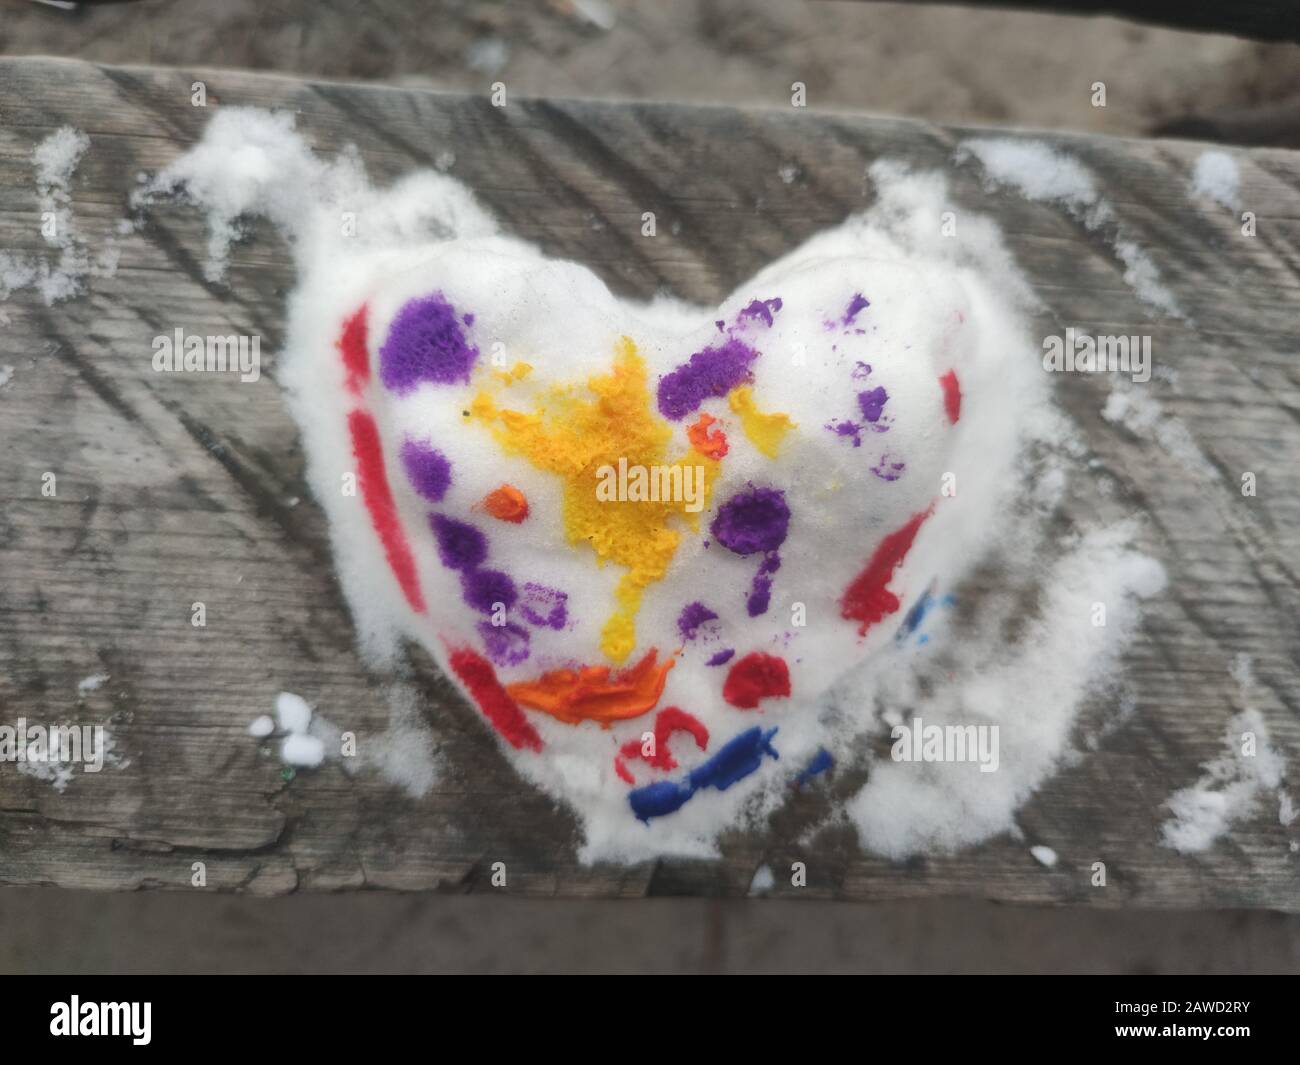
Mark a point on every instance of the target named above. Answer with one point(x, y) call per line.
point(940, 63)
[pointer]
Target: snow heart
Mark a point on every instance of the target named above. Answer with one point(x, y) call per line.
point(643, 540)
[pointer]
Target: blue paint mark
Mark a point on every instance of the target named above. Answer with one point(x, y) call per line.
point(916, 615)
point(735, 759)
point(821, 762)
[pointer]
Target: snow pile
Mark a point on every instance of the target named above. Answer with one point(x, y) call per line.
point(853, 432)
point(1042, 174)
point(1231, 786)
point(1215, 177)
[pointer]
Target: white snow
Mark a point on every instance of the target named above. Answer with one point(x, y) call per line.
point(293, 712)
point(302, 750)
point(1215, 177)
point(936, 304)
point(1231, 786)
point(1044, 855)
point(1045, 175)
point(91, 683)
point(261, 726)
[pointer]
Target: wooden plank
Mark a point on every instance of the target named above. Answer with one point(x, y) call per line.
point(171, 493)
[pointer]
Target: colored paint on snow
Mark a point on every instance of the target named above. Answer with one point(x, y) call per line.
point(506, 503)
point(592, 693)
point(575, 438)
point(669, 720)
point(951, 395)
point(765, 431)
point(868, 599)
point(760, 311)
point(506, 645)
point(427, 469)
point(426, 342)
point(736, 759)
point(713, 445)
point(857, 304)
point(755, 520)
point(461, 546)
point(352, 346)
point(820, 763)
point(872, 403)
point(712, 371)
point(544, 607)
point(378, 498)
point(756, 676)
point(693, 615)
point(477, 674)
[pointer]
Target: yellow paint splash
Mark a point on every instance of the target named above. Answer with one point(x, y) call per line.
point(572, 433)
point(765, 431)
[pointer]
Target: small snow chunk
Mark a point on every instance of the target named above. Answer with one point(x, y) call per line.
point(293, 712)
point(56, 158)
point(302, 750)
point(1228, 788)
point(1215, 177)
point(1035, 170)
point(261, 726)
point(6, 375)
point(1044, 855)
point(92, 683)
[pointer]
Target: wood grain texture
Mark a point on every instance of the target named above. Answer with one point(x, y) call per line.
point(174, 490)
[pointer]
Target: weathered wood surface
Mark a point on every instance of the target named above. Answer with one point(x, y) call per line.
point(172, 491)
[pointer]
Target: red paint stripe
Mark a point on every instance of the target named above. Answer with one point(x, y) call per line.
point(378, 498)
point(352, 346)
point(868, 598)
point(669, 720)
point(951, 395)
point(477, 674)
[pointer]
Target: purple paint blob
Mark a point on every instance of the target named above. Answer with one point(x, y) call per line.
point(760, 311)
point(711, 372)
point(460, 545)
point(722, 657)
point(872, 402)
point(861, 370)
point(427, 469)
point(760, 592)
point(694, 615)
point(544, 607)
point(483, 589)
point(858, 303)
point(425, 343)
point(849, 429)
point(506, 645)
point(754, 519)
point(888, 470)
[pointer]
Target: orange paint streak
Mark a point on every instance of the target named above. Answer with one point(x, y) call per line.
point(591, 693)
